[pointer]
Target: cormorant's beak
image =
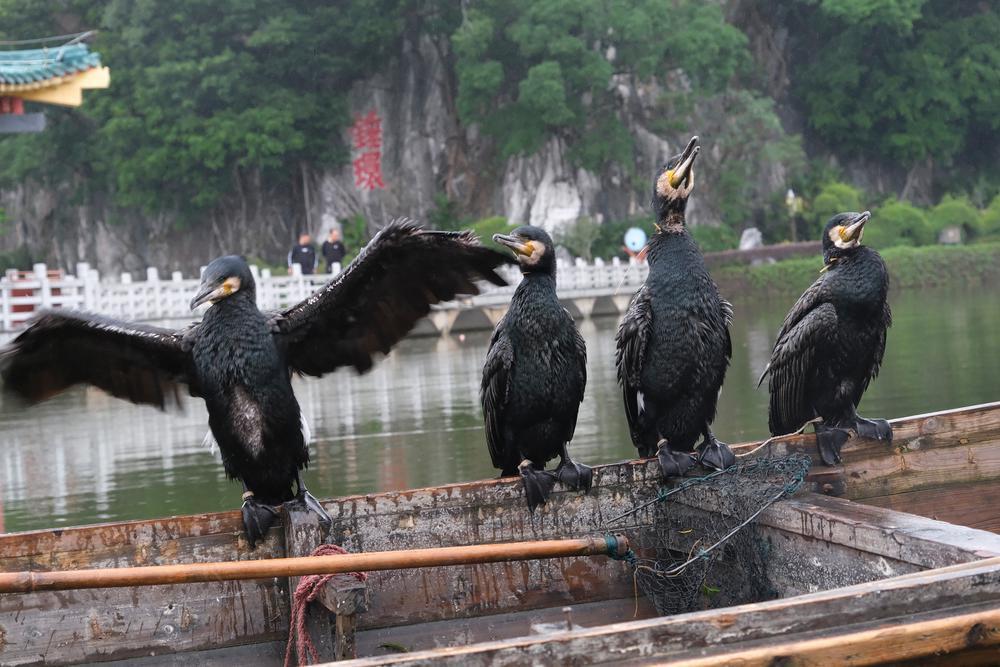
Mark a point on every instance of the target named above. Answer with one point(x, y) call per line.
point(853, 230)
point(513, 243)
point(682, 170)
point(206, 292)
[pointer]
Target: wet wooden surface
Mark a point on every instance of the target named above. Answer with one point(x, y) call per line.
point(930, 456)
point(915, 615)
point(976, 505)
point(89, 625)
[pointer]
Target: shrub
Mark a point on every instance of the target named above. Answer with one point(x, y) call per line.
point(955, 211)
point(990, 221)
point(487, 227)
point(898, 223)
point(832, 199)
point(579, 237)
point(714, 239)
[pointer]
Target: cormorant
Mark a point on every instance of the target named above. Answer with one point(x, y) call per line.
point(240, 360)
point(673, 345)
point(534, 376)
point(831, 343)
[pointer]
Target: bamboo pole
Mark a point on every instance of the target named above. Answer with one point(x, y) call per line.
point(28, 582)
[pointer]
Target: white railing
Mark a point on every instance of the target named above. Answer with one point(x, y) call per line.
point(22, 294)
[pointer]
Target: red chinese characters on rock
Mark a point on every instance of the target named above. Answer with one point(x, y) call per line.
point(366, 138)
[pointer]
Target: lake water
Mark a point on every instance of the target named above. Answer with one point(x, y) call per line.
point(415, 420)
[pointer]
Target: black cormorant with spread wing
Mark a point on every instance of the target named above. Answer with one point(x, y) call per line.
point(673, 345)
point(831, 343)
point(240, 360)
point(534, 376)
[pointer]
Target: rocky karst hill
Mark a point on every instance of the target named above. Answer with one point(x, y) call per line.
point(230, 126)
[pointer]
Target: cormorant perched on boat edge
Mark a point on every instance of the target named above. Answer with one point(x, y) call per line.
point(831, 343)
point(534, 376)
point(673, 344)
point(240, 360)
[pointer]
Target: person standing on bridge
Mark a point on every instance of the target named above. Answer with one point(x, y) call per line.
point(334, 251)
point(304, 254)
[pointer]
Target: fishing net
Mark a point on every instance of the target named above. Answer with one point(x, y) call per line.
point(697, 545)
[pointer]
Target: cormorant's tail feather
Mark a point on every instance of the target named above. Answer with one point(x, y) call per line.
point(763, 375)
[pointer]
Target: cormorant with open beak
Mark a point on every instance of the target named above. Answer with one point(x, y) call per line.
point(673, 345)
point(240, 360)
point(534, 376)
point(831, 343)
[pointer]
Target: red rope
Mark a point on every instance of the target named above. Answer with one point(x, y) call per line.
point(307, 590)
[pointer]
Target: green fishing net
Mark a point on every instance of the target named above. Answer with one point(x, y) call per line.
point(698, 545)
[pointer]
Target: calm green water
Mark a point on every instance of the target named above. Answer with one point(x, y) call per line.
point(415, 420)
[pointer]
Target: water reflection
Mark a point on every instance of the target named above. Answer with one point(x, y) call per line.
point(415, 420)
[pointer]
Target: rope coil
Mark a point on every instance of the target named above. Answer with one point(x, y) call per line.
point(307, 590)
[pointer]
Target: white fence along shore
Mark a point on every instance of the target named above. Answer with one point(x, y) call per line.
point(155, 298)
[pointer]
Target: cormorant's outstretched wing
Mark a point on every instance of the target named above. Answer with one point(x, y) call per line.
point(140, 363)
point(792, 367)
point(493, 393)
point(631, 340)
point(377, 300)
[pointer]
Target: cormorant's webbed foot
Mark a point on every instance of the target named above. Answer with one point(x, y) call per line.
point(829, 440)
point(257, 518)
point(873, 429)
point(673, 464)
point(575, 476)
point(538, 484)
point(309, 500)
point(714, 454)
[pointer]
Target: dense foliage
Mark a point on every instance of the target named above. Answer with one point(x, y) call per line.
point(212, 98)
point(906, 80)
point(203, 90)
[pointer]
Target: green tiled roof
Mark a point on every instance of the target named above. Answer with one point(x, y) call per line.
point(35, 65)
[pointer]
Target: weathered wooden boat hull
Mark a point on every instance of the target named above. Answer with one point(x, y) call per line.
point(820, 543)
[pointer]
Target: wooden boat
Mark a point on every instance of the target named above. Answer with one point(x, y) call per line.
point(891, 556)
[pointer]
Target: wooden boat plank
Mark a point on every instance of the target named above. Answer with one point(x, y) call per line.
point(949, 633)
point(473, 630)
point(948, 593)
point(874, 530)
point(976, 505)
point(922, 455)
point(150, 542)
point(93, 625)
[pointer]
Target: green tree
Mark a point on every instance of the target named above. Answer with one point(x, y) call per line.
point(910, 80)
point(531, 69)
point(205, 93)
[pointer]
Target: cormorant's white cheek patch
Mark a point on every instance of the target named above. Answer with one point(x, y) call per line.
point(665, 189)
point(537, 250)
point(232, 284)
point(835, 235)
